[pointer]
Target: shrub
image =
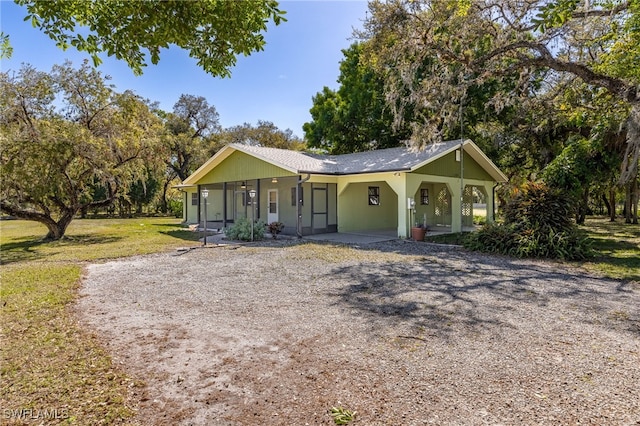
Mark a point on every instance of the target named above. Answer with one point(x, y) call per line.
point(175, 207)
point(537, 224)
point(275, 228)
point(241, 230)
point(538, 207)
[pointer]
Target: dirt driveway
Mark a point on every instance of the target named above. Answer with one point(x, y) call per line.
point(403, 333)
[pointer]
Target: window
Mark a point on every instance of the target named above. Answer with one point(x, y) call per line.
point(374, 195)
point(424, 196)
point(194, 198)
point(293, 196)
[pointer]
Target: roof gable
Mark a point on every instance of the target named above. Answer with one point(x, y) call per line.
point(383, 160)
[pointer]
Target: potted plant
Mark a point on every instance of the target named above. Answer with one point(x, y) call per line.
point(275, 228)
point(418, 232)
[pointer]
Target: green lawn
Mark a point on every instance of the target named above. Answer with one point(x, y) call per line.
point(51, 368)
point(617, 245)
point(51, 365)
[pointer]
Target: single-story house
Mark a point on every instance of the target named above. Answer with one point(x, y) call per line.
point(382, 190)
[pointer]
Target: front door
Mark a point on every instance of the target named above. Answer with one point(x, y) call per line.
point(272, 215)
point(319, 209)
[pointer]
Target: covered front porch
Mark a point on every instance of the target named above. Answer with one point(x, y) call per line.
point(304, 207)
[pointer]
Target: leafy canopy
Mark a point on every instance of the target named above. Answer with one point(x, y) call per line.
point(434, 51)
point(355, 117)
point(213, 32)
point(63, 135)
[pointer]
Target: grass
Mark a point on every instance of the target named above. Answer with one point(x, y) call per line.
point(52, 367)
point(617, 246)
point(52, 370)
point(449, 238)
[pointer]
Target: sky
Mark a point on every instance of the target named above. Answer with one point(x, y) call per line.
point(300, 57)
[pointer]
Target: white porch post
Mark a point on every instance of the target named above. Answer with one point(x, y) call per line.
point(456, 208)
point(398, 182)
point(488, 188)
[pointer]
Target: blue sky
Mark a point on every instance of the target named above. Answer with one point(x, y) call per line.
point(301, 56)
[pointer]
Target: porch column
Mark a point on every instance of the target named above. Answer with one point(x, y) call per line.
point(199, 204)
point(488, 188)
point(456, 207)
point(398, 182)
point(224, 205)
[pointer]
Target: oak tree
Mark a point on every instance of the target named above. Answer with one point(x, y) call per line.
point(213, 32)
point(64, 133)
point(355, 117)
point(548, 44)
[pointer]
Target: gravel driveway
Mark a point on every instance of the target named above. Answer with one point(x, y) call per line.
point(403, 333)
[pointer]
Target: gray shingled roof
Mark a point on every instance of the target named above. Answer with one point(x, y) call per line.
point(382, 160)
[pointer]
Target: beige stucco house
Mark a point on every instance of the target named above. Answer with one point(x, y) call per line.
point(379, 190)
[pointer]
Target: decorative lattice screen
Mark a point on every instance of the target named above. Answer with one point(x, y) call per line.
point(443, 204)
point(467, 201)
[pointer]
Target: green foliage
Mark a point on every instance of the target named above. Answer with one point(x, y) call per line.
point(516, 241)
point(5, 46)
point(65, 134)
point(582, 165)
point(143, 191)
point(241, 230)
point(353, 118)
point(265, 133)
point(537, 224)
point(342, 416)
point(554, 14)
point(540, 86)
point(188, 131)
point(571, 169)
point(535, 206)
point(175, 207)
point(214, 32)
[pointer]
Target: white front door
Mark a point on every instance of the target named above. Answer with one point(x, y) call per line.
point(272, 215)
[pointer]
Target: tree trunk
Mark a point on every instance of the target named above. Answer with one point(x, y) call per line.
point(607, 204)
point(634, 203)
point(612, 202)
point(58, 229)
point(627, 204)
point(164, 205)
point(582, 208)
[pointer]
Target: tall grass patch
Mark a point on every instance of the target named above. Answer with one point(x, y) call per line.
point(537, 223)
point(49, 364)
point(616, 246)
point(52, 370)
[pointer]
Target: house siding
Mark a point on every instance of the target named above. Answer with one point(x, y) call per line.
point(448, 166)
point(190, 211)
point(241, 167)
point(357, 215)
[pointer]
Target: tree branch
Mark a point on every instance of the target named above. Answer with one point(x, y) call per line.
point(601, 12)
point(614, 85)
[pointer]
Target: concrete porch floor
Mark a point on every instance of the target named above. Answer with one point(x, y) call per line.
point(365, 237)
point(369, 237)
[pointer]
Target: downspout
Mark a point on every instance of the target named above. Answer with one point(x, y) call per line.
point(461, 178)
point(299, 204)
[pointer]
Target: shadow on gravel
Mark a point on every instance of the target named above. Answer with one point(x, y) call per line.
point(451, 287)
